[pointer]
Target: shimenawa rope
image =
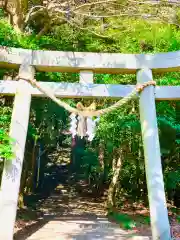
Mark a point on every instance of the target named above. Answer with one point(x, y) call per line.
point(86, 112)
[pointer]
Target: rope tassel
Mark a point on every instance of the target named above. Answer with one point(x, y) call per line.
point(83, 127)
point(73, 124)
point(91, 127)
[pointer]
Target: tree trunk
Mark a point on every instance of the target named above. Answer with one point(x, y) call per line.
point(22, 185)
point(116, 167)
point(16, 10)
point(101, 155)
point(33, 165)
point(138, 171)
point(102, 165)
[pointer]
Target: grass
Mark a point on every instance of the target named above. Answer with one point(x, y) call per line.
point(129, 221)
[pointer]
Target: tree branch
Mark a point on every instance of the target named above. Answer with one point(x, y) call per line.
point(74, 24)
point(29, 14)
point(89, 15)
point(93, 3)
point(175, 2)
point(44, 30)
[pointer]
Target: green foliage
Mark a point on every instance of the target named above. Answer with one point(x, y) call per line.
point(173, 179)
point(124, 220)
point(5, 117)
point(1, 13)
point(129, 221)
point(47, 120)
point(5, 146)
point(5, 141)
point(90, 165)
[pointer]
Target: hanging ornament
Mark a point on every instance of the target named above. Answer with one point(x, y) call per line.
point(83, 126)
point(91, 127)
point(73, 124)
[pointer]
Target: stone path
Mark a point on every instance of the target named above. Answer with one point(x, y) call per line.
point(98, 229)
point(66, 217)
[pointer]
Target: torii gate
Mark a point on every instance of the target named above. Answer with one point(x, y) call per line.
point(86, 64)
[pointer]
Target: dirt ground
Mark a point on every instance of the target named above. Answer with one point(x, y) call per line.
point(65, 215)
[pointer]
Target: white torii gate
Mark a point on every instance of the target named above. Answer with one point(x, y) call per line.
point(86, 64)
